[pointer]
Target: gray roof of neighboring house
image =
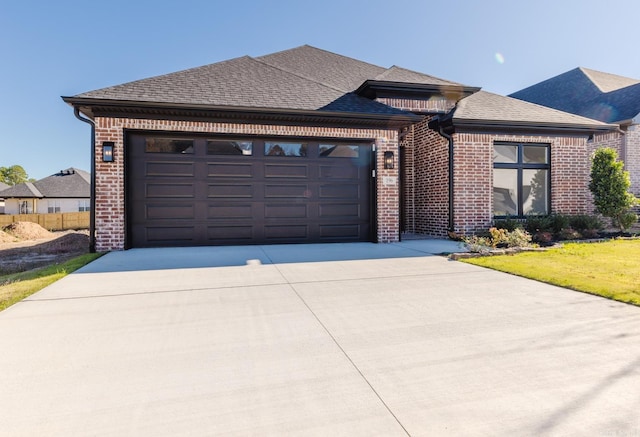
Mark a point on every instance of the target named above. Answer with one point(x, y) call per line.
point(69, 183)
point(601, 96)
point(3, 186)
point(484, 107)
point(303, 78)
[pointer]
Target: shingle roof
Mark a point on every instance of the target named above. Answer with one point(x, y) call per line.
point(491, 107)
point(399, 74)
point(302, 78)
point(589, 93)
point(3, 186)
point(69, 183)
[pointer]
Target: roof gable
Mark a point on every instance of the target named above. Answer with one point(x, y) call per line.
point(589, 93)
point(402, 75)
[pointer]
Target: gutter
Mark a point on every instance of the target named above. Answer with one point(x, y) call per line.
point(92, 212)
point(440, 123)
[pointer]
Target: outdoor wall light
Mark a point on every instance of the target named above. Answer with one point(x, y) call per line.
point(107, 151)
point(388, 160)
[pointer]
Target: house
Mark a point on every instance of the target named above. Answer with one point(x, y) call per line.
point(65, 191)
point(306, 145)
point(3, 187)
point(601, 96)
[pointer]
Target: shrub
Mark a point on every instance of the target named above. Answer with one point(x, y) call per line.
point(538, 223)
point(508, 224)
point(584, 222)
point(559, 222)
point(498, 238)
point(609, 185)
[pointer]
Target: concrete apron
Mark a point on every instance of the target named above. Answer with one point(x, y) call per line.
point(356, 339)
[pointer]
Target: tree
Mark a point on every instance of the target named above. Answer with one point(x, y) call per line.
point(13, 175)
point(609, 185)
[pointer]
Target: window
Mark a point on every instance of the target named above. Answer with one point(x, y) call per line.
point(84, 205)
point(229, 147)
point(339, 151)
point(168, 145)
point(53, 206)
point(285, 149)
point(520, 179)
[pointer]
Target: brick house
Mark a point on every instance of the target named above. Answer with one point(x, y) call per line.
point(65, 191)
point(601, 96)
point(305, 145)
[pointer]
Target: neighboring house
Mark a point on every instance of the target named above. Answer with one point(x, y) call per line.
point(600, 96)
point(65, 191)
point(3, 187)
point(305, 145)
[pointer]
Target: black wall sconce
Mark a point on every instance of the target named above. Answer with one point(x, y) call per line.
point(388, 160)
point(107, 151)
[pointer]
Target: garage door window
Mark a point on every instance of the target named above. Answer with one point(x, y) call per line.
point(285, 149)
point(229, 147)
point(169, 145)
point(339, 151)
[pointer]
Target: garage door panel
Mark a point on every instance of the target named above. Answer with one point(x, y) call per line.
point(286, 232)
point(230, 170)
point(170, 234)
point(285, 211)
point(244, 211)
point(342, 191)
point(339, 210)
point(170, 212)
point(225, 191)
point(272, 191)
point(230, 233)
point(339, 172)
point(286, 171)
point(168, 190)
point(170, 169)
point(339, 231)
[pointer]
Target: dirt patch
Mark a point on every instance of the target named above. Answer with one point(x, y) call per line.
point(27, 231)
point(27, 246)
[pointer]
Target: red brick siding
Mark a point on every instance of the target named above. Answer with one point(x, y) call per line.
point(429, 200)
point(632, 157)
point(433, 105)
point(473, 177)
point(110, 202)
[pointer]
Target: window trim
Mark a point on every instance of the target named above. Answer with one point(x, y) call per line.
point(519, 166)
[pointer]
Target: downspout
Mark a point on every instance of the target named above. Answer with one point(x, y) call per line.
point(440, 124)
point(92, 200)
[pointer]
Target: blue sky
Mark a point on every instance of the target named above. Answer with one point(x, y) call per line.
point(50, 49)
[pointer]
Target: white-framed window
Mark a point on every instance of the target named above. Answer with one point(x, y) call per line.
point(84, 205)
point(53, 206)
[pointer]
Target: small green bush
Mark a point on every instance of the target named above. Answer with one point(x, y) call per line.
point(538, 223)
point(585, 222)
point(508, 224)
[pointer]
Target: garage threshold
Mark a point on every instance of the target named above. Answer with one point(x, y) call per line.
point(227, 256)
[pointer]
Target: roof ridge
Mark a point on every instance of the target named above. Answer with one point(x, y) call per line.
point(299, 75)
point(415, 72)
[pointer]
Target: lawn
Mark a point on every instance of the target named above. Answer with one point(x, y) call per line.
point(610, 269)
point(17, 286)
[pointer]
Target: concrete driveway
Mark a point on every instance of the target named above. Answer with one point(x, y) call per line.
point(341, 339)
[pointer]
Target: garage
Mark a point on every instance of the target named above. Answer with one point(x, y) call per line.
point(204, 191)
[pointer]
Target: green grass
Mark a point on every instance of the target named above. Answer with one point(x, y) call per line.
point(17, 286)
point(610, 269)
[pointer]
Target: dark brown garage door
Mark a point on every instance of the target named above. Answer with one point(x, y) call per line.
point(222, 191)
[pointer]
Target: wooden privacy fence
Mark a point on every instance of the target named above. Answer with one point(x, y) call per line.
point(51, 222)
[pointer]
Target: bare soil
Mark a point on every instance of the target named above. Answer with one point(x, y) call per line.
point(25, 246)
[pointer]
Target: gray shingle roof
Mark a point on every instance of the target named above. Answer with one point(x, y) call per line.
point(302, 78)
point(399, 74)
point(589, 93)
point(69, 183)
point(487, 106)
point(3, 186)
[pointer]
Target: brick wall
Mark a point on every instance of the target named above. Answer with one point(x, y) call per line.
point(434, 105)
point(473, 177)
point(110, 202)
point(429, 200)
point(632, 157)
